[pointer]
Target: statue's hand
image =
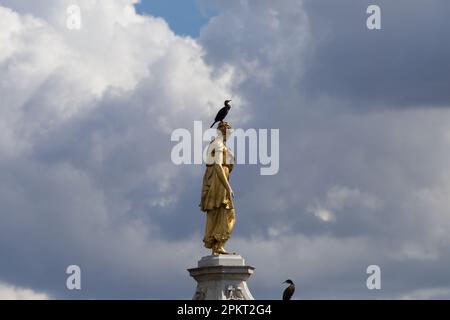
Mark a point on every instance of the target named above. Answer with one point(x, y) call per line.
point(231, 193)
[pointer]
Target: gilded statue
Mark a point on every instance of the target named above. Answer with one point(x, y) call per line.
point(217, 195)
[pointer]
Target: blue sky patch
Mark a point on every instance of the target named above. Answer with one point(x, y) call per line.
point(184, 17)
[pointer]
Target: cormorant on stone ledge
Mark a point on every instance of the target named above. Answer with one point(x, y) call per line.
point(222, 112)
point(289, 291)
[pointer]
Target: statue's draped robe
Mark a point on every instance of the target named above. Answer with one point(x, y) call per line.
point(215, 201)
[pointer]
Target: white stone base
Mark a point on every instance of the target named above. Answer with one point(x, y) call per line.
point(222, 277)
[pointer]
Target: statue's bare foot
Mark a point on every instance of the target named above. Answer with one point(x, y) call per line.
point(221, 250)
point(215, 249)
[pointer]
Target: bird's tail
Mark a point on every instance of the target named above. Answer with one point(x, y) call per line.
point(213, 124)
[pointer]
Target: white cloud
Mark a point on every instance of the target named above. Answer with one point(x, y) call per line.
point(8, 292)
point(324, 214)
point(428, 293)
point(340, 198)
point(54, 73)
point(84, 150)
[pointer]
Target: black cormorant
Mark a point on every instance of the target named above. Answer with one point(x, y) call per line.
point(222, 112)
point(289, 291)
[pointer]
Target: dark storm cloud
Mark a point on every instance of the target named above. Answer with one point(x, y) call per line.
point(328, 52)
point(406, 64)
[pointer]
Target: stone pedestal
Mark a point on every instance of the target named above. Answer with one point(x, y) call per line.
point(222, 277)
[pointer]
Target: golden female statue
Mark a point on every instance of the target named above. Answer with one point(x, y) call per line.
point(217, 195)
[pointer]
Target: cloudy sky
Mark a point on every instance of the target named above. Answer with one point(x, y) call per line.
point(86, 118)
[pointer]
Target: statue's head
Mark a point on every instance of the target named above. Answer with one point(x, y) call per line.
point(224, 129)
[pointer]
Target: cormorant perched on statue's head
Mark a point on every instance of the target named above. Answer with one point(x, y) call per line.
point(289, 291)
point(222, 112)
